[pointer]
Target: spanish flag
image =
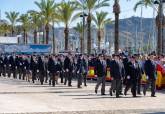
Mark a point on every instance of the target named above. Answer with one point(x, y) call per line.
point(160, 81)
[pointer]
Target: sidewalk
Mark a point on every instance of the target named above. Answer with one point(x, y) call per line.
point(22, 97)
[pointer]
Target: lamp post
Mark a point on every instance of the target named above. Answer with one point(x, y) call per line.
point(83, 34)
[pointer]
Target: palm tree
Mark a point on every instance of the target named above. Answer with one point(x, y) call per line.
point(100, 20)
point(13, 18)
point(90, 6)
point(79, 28)
point(35, 22)
point(143, 3)
point(4, 29)
point(150, 3)
point(47, 8)
point(24, 19)
point(65, 12)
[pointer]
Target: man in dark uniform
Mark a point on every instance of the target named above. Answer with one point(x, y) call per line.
point(1, 65)
point(150, 71)
point(79, 70)
point(132, 76)
point(5, 62)
point(139, 63)
point(25, 66)
point(85, 70)
point(20, 67)
point(61, 66)
point(11, 66)
point(68, 71)
point(40, 67)
point(100, 71)
point(46, 68)
point(16, 65)
point(117, 73)
point(33, 68)
point(51, 69)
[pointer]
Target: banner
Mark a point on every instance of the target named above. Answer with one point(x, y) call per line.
point(27, 49)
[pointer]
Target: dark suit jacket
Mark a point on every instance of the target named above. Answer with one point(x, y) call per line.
point(150, 69)
point(67, 64)
point(100, 69)
point(133, 71)
point(51, 65)
point(117, 72)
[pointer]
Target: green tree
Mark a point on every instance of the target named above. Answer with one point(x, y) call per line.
point(90, 6)
point(100, 20)
point(47, 8)
point(65, 12)
point(79, 28)
point(24, 19)
point(13, 18)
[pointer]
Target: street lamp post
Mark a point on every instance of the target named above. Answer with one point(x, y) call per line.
point(83, 35)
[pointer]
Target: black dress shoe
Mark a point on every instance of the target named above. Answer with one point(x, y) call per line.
point(103, 94)
point(121, 93)
point(117, 96)
point(96, 91)
point(153, 96)
point(134, 96)
point(144, 93)
point(111, 93)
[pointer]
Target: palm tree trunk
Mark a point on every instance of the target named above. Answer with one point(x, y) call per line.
point(47, 33)
point(66, 32)
point(116, 10)
point(35, 36)
point(159, 22)
point(53, 39)
point(116, 33)
point(89, 33)
point(43, 37)
point(99, 39)
point(26, 38)
point(12, 32)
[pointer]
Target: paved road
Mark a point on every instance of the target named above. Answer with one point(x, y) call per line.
point(18, 96)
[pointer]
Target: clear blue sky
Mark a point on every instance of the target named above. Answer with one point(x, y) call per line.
point(23, 6)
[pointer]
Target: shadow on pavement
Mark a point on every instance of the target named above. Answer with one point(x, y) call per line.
point(161, 91)
point(44, 92)
point(105, 97)
point(155, 113)
point(78, 95)
point(33, 86)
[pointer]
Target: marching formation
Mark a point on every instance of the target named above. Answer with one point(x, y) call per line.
point(126, 72)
